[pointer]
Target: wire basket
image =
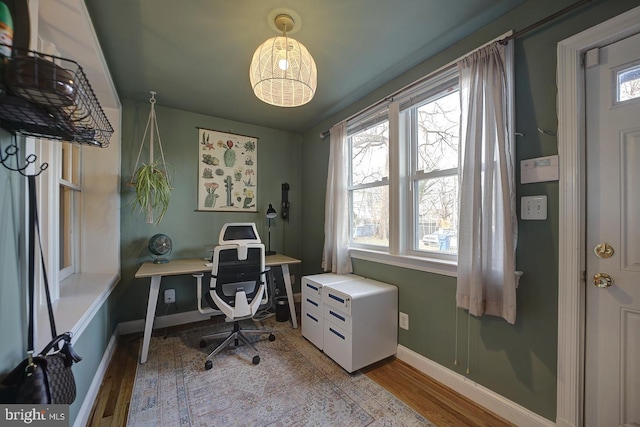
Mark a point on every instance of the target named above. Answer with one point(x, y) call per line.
point(50, 97)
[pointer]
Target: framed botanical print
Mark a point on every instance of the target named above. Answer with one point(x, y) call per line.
point(227, 171)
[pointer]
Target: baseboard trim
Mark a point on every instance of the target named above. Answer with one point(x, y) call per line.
point(160, 322)
point(90, 398)
point(486, 398)
point(176, 319)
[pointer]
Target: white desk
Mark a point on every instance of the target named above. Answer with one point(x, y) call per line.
point(178, 267)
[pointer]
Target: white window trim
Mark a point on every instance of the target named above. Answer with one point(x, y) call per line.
point(429, 265)
point(76, 218)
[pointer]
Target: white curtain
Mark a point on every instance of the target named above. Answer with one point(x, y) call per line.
point(335, 256)
point(488, 223)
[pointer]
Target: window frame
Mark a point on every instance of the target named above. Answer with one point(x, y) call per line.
point(71, 159)
point(49, 200)
point(403, 175)
point(437, 87)
point(374, 118)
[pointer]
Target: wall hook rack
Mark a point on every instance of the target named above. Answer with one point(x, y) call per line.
point(10, 160)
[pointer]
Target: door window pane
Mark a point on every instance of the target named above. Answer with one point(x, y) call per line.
point(629, 83)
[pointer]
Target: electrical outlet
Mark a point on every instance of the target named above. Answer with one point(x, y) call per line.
point(169, 296)
point(404, 320)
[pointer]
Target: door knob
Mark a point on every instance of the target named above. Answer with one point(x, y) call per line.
point(602, 280)
point(603, 250)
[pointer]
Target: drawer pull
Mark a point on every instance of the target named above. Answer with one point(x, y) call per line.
point(312, 302)
point(312, 287)
point(337, 298)
point(334, 314)
point(311, 317)
point(337, 333)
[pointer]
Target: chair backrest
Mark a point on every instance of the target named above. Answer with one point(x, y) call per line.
point(238, 232)
point(238, 277)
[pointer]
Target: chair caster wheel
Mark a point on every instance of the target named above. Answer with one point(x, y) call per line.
point(256, 360)
point(272, 337)
point(203, 343)
point(208, 365)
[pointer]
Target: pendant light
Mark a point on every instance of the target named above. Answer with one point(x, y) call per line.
point(283, 72)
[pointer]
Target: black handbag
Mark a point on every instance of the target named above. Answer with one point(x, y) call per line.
point(46, 378)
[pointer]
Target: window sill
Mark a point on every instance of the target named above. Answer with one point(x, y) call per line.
point(443, 267)
point(81, 296)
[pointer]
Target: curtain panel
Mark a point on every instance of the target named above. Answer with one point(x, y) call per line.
point(335, 255)
point(486, 282)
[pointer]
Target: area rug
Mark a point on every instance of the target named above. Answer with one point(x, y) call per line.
point(294, 384)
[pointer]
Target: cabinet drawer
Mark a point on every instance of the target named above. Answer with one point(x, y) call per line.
point(338, 318)
point(338, 345)
point(312, 302)
point(337, 299)
point(310, 288)
point(312, 327)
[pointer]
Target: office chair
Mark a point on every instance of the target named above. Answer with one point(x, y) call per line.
point(237, 286)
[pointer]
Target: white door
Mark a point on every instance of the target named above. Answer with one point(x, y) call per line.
point(612, 357)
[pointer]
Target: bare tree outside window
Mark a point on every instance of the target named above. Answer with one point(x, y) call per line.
point(436, 179)
point(431, 176)
point(369, 195)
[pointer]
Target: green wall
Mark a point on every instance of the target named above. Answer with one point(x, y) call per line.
point(191, 232)
point(519, 361)
point(13, 285)
point(93, 341)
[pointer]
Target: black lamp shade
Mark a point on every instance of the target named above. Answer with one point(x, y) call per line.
point(271, 212)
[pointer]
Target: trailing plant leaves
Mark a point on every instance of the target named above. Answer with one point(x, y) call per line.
point(153, 191)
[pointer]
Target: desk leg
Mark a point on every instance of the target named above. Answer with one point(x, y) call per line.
point(151, 313)
point(287, 285)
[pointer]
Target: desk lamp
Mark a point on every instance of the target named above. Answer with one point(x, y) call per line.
point(271, 213)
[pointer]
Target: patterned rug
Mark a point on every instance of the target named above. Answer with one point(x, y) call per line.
point(294, 384)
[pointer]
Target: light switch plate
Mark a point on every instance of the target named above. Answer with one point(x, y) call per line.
point(533, 207)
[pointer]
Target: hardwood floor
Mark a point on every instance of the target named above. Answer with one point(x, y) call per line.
point(436, 402)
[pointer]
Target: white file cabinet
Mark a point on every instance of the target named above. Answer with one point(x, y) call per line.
point(360, 322)
point(312, 311)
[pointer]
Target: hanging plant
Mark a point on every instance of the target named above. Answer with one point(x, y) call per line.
point(153, 191)
point(151, 180)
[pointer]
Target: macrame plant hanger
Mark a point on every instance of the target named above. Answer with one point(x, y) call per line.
point(154, 133)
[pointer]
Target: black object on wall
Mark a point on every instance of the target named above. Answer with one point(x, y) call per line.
point(285, 202)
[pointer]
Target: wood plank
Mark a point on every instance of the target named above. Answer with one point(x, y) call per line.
point(435, 401)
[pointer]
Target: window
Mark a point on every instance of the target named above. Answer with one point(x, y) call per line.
point(628, 83)
point(68, 212)
point(427, 121)
point(412, 175)
point(434, 126)
point(369, 181)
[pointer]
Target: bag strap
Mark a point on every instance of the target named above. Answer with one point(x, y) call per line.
point(31, 266)
point(33, 229)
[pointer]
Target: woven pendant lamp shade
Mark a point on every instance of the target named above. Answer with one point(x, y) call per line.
point(283, 73)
